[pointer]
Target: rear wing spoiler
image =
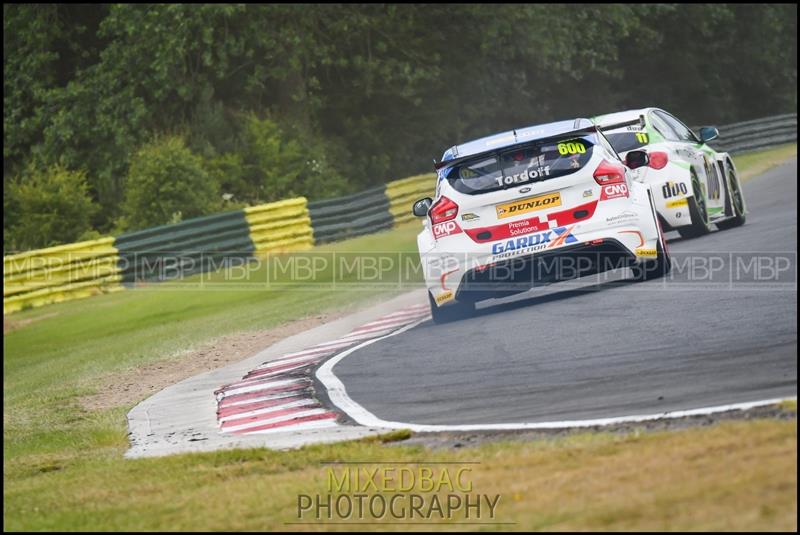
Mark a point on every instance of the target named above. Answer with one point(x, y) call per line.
point(595, 128)
point(640, 121)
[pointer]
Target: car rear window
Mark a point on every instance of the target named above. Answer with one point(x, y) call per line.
point(519, 166)
point(628, 140)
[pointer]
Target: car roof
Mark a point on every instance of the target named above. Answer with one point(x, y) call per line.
point(514, 137)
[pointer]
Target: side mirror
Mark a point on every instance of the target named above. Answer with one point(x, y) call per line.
point(422, 206)
point(707, 133)
point(636, 159)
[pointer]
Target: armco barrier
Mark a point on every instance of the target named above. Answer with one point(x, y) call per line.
point(181, 249)
point(756, 134)
point(350, 216)
point(402, 194)
point(280, 226)
point(61, 273)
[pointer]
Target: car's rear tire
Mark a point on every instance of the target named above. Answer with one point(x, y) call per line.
point(697, 212)
point(653, 269)
point(456, 311)
point(735, 201)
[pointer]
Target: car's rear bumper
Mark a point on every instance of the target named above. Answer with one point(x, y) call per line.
point(520, 274)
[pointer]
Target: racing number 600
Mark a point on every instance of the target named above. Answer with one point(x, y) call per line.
point(571, 148)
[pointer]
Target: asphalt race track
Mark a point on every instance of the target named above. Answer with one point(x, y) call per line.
point(609, 347)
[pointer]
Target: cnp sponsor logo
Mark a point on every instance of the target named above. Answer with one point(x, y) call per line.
point(523, 206)
point(673, 189)
point(441, 230)
point(613, 191)
point(536, 242)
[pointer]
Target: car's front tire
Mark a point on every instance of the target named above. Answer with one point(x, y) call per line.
point(735, 202)
point(456, 311)
point(697, 212)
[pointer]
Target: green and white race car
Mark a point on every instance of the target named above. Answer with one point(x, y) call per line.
point(693, 185)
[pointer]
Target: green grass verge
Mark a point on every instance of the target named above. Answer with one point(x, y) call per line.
point(733, 476)
point(754, 163)
point(63, 466)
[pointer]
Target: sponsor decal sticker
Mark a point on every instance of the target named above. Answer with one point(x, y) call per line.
point(531, 204)
point(535, 242)
point(613, 191)
point(526, 226)
point(499, 232)
point(532, 224)
point(445, 297)
point(647, 253)
point(447, 228)
point(677, 203)
point(673, 189)
point(524, 176)
point(620, 218)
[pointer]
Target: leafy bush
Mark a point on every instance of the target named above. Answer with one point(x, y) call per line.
point(228, 170)
point(280, 163)
point(166, 183)
point(53, 205)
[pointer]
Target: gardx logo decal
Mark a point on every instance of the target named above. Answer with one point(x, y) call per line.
point(536, 242)
point(531, 204)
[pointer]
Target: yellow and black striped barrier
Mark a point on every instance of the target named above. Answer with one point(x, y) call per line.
point(202, 244)
point(61, 273)
point(402, 194)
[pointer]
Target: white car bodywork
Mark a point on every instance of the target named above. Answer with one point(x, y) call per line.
point(551, 218)
point(672, 184)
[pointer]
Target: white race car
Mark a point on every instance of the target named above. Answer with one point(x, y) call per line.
point(534, 206)
point(693, 185)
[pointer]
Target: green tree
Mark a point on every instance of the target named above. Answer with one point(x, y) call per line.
point(279, 163)
point(166, 183)
point(53, 207)
point(371, 92)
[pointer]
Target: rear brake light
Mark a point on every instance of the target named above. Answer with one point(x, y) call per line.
point(609, 173)
point(658, 160)
point(443, 210)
